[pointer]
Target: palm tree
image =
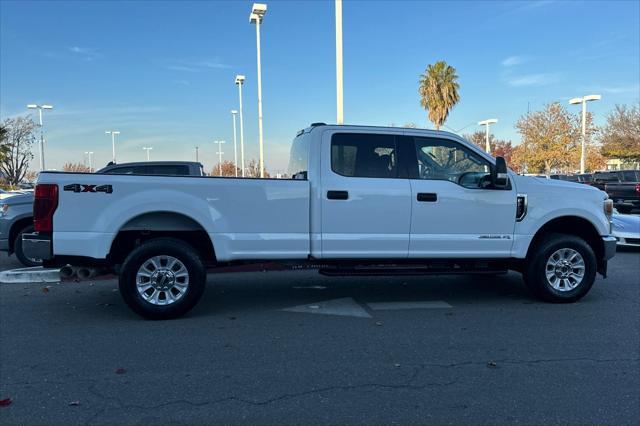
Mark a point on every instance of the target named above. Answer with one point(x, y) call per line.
point(439, 91)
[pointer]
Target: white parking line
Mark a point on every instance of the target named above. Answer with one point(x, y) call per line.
point(399, 306)
point(36, 274)
point(345, 306)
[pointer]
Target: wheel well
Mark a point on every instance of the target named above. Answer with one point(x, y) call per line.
point(161, 224)
point(572, 225)
point(17, 227)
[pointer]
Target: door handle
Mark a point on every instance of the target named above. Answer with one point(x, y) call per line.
point(427, 197)
point(337, 195)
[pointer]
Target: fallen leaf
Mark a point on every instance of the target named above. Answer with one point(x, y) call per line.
point(492, 364)
point(74, 403)
point(120, 371)
point(5, 402)
point(46, 289)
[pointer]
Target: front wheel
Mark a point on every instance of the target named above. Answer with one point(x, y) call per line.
point(163, 278)
point(560, 269)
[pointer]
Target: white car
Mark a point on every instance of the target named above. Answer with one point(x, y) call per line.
point(626, 229)
point(361, 200)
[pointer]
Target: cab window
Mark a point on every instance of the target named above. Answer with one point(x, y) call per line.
point(443, 159)
point(364, 155)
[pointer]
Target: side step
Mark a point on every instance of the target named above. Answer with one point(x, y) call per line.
point(436, 268)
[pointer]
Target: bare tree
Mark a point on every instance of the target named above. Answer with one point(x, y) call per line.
point(19, 141)
point(76, 167)
point(253, 170)
point(621, 135)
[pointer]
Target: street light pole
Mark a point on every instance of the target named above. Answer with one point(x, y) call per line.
point(147, 148)
point(487, 123)
point(235, 151)
point(196, 154)
point(113, 134)
point(90, 153)
point(40, 108)
point(219, 154)
point(339, 74)
point(239, 81)
point(257, 13)
point(583, 148)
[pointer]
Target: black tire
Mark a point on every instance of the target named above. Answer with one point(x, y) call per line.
point(17, 248)
point(535, 270)
point(185, 254)
point(625, 209)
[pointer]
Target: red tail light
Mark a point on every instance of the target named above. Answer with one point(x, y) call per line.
point(638, 188)
point(44, 205)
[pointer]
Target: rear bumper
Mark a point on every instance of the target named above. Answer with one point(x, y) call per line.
point(37, 246)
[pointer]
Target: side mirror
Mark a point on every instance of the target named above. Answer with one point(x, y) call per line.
point(499, 175)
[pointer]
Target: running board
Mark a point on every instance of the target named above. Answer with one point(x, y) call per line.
point(436, 269)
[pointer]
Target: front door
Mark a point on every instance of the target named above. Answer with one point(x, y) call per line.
point(366, 200)
point(456, 213)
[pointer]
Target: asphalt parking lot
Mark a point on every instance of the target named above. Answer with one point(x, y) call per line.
point(300, 348)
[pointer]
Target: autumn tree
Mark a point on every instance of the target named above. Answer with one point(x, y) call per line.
point(551, 140)
point(31, 176)
point(4, 147)
point(228, 169)
point(439, 91)
point(75, 167)
point(499, 147)
point(620, 137)
point(18, 138)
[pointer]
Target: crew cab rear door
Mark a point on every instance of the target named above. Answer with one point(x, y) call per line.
point(455, 215)
point(366, 197)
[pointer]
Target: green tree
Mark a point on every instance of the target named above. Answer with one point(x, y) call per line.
point(620, 137)
point(438, 91)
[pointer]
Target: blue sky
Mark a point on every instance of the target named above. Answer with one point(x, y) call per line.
point(163, 72)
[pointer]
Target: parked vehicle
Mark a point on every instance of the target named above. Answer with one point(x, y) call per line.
point(361, 201)
point(626, 192)
point(626, 229)
point(172, 168)
point(568, 178)
point(16, 208)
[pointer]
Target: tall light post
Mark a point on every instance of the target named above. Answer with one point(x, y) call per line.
point(235, 150)
point(90, 155)
point(113, 134)
point(40, 108)
point(240, 82)
point(257, 14)
point(219, 154)
point(487, 123)
point(147, 148)
point(583, 101)
point(196, 154)
point(339, 88)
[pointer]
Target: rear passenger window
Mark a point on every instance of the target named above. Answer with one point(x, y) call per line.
point(629, 176)
point(169, 169)
point(364, 155)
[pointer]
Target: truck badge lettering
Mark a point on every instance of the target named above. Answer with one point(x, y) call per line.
point(77, 187)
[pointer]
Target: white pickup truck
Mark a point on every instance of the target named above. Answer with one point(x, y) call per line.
point(361, 200)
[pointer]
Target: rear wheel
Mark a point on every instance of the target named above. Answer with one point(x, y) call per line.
point(162, 279)
point(17, 249)
point(560, 268)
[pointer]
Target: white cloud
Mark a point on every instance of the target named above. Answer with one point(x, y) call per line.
point(513, 61)
point(88, 53)
point(542, 79)
point(196, 66)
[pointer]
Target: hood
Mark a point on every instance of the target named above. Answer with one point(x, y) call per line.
point(559, 184)
point(16, 197)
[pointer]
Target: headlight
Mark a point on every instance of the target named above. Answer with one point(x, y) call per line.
point(3, 209)
point(608, 211)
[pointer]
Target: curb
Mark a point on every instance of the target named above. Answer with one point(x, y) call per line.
point(36, 274)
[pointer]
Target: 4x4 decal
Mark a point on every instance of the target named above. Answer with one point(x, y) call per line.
point(78, 187)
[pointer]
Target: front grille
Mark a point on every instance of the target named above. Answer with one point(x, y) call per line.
point(633, 240)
